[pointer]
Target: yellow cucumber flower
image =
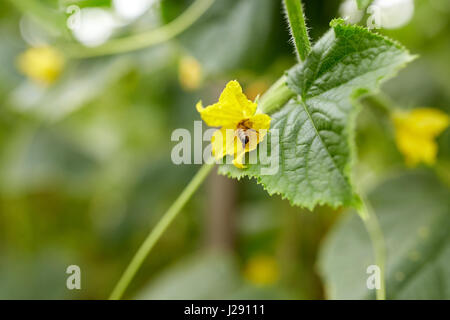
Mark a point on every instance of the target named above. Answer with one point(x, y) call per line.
point(241, 128)
point(262, 270)
point(190, 73)
point(415, 134)
point(41, 64)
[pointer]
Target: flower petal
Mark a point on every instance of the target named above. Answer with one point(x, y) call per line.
point(233, 107)
point(416, 149)
point(422, 121)
point(223, 143)
point(415, 132)
point(238, 160)
point(260, 121)
point(232, 98)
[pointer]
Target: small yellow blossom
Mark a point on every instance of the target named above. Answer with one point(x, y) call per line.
point(262, 270)
point(415, 134)
point(256, 88)
point(41, 64)
point(241, 128)
point(190, 73)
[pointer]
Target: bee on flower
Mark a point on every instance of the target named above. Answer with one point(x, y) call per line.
point(241, 127)
point(415, 134)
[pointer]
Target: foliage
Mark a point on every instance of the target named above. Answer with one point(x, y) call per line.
point(85, 167)
point(317, 127)
point(414, 216)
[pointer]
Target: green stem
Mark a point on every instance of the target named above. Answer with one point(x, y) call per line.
point(158, 230)
point(276, 97)
point(372, 225)
point(146, 39)
point(298, 28)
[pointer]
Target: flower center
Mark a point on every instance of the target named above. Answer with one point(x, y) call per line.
point(242, 131)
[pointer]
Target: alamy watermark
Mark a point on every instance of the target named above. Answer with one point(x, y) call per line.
point(74, 19)
point(74, 279)
point(374, 280)
point(374, 19)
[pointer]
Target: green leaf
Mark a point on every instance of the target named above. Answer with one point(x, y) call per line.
point(203, 276)
point(413, 210)
point(316, 128)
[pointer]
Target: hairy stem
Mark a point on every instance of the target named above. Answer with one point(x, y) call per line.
point(294, 10)
point(146, 39)
point(158, 230)
point(372, 225)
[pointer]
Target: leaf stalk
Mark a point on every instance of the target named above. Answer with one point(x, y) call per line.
point(299, 31)
point(373, 227)
point(156, 233)
point(145, 39)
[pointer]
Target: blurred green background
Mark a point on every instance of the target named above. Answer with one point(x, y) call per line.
point(85, 167)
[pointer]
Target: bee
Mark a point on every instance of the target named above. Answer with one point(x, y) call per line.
point(243, 132)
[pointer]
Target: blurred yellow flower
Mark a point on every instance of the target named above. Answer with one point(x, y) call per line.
point(415, 134)
point(241, 129)
point(190, 73)
point(256, 88)
point(262, 270)
point(41, 64)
